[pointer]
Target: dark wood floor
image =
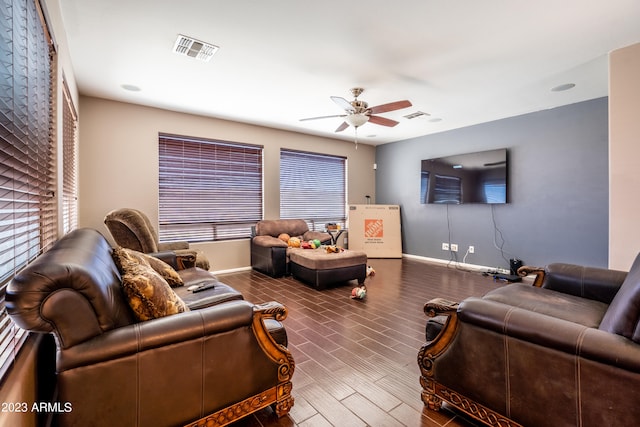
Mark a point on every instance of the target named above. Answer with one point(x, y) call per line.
point(356, 360)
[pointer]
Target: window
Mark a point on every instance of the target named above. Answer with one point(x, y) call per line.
point(28, 220)
point(208, 190)
point(313, 188)
point(69, 163)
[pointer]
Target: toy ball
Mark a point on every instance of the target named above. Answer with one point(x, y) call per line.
point(294, 242)
point(317, 243)
point(359, 292)
point(284, 237)
point(305, 245)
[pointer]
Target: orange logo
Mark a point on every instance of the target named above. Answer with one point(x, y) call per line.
point(372, 228)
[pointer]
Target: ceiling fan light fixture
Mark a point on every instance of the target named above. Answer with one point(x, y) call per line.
point(357, 119)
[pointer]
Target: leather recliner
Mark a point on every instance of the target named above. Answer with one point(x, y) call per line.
point(563, 352)
point(207, 366)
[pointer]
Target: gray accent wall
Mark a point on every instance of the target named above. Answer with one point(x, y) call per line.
point(558, 190)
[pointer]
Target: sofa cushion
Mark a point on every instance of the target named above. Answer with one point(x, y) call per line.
point(148, 294)
point(552, 303)
point(624, 311)
point(123, 256)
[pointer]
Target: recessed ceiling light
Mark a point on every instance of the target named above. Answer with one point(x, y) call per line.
point(435, 120)
point(563, 87)
point(131, 88)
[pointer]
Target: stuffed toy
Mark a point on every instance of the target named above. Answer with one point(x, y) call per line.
point(284, 237)
point(294, 242)
point(333, 249)
point(359, 292)
point(370, 271)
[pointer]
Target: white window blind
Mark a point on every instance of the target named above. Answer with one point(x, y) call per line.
point(28, 214)
point(208, 190)
point(69, 163)
point(313, 187)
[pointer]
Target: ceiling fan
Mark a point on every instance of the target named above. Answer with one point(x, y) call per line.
point(358, 112)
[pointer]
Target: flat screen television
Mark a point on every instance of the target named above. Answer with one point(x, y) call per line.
point(479, 177)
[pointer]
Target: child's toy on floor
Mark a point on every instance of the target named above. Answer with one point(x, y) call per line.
point(370, 271)
point(359, 292)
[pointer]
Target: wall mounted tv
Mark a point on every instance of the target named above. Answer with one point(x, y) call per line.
point(479, 177)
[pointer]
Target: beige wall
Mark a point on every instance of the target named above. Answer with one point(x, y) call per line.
point(624, 155)
point(119, 164)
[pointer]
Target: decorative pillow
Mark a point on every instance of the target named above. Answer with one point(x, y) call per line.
point(148, 294)
point(123, 256)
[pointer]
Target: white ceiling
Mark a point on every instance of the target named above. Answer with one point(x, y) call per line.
point(462, 61)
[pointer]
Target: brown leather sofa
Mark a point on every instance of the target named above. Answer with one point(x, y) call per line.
point(268, 253)
point(563, 352)
point(205, 366)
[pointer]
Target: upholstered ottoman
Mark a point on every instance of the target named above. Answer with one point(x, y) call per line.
point(321, 269)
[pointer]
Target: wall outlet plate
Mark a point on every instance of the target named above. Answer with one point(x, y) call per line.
point(445, 246)
point(454, 247)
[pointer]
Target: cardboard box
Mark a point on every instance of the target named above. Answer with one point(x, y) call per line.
point(375, 229)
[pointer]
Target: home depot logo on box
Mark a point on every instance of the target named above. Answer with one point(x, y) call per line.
point(372, 228)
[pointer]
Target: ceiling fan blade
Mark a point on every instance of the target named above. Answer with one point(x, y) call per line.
point(343, 103)
point(323, 117)
point(392, 106)
point(382, 121)
point(342, 127)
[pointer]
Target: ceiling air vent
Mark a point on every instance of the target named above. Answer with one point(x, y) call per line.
point(193, 48)
point(416, 114)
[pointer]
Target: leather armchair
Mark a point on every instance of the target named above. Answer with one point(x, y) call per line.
point(268, 253)
point(132, 229)
point(207, 366)
point(564, 351)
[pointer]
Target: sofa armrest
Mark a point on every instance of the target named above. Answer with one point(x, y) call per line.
point(268, 242)
point(445, 312)
point(179, 261)
point(594, 283)
point(319, 235)
point(161, 332)
point(172, 246)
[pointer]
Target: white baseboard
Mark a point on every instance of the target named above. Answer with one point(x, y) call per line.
point(461, 265)
point(231, 270)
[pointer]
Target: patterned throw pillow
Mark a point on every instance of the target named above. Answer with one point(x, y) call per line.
point(123, 256)
point(148, 294)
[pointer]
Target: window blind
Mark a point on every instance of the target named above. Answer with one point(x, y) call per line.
point(69, 164)
point(313, 188)
point(208, 190)
point(27, 170)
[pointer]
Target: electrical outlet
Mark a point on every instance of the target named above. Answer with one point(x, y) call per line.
point(445, 246)
point(454, 247)
point(472, 249)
